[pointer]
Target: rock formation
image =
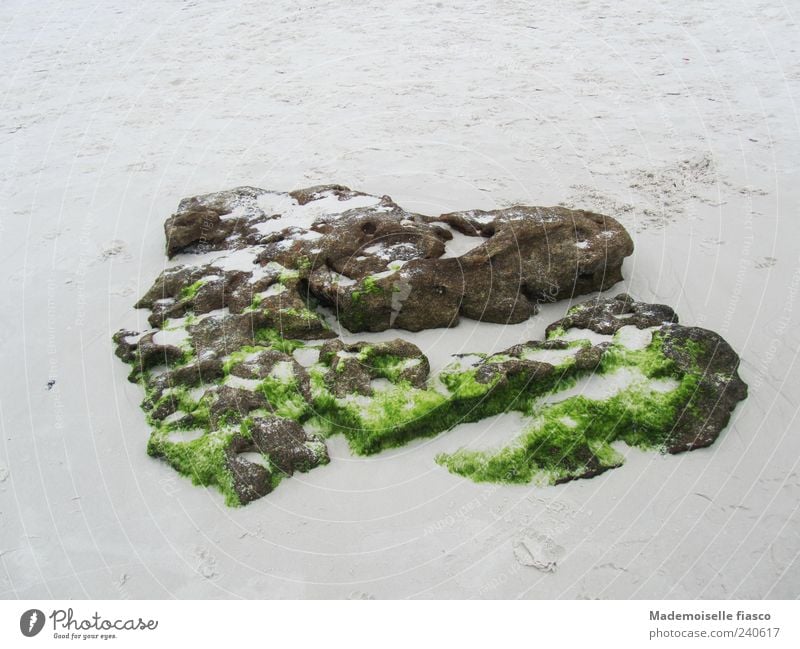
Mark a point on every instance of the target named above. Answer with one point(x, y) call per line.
point(244, 376)
point(377, 266)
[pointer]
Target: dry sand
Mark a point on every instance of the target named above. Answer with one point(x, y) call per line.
point(679, 119)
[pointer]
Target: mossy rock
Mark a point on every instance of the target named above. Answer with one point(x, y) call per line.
point(222, 360)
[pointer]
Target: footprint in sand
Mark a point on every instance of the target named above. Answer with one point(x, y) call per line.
point(708, 244)
point(115, 249)
point(140, 166)
point(537, 551)
point(122, 291)
point(206, 563)
point(766, 262)
point(357, 594)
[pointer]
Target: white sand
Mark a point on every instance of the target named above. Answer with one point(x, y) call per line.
point(461, 244)
point(634, 338)
point(306, 356)
point(175, 337)
point(575, 333)
point(492, 433)
point(600, 387)
point(552, 356)
point(185, 435)
point(676, 118)
point(239, 382)
point(275, 289)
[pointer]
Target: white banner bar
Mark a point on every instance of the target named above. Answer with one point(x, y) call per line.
point(399, 624)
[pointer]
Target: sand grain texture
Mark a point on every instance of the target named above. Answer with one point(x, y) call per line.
point(678, 120)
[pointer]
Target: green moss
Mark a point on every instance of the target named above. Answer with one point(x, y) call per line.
point(255, 303)
point(563, 440)
point(178, 398)
point(464, 384)
point(306, 314)
point(272, 338)
point(386, 366)
point(499, 358)
point(189, 292)
point(389, 367)
point(202, 460)
point(239, 356)
point(571, 437)
point(285, 398)
point(576, 309)
point(371, 285)
point(396, 416)
point(288, 275)
point(328, 414)
point(276, 476)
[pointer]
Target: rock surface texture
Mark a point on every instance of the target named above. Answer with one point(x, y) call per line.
point(244, 378)
point(378, 266)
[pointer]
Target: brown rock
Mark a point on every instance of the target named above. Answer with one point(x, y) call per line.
point(377, 266)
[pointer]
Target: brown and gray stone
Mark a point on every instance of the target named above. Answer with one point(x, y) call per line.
point(354, 366)
point(377, 266)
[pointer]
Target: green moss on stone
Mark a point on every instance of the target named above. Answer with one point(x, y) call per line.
point(288, 275)
point(564, 439)
point(202, 460)
point(370, 285)
point(272, 338)
point(239, 356)
point(573, 436)
point(285, 398)
point(188, 292)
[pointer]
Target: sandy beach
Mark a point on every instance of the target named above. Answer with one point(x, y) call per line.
point(678, 119)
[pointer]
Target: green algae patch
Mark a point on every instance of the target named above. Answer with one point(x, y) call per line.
point(189, 292)
point(580, 400)
point(202, 460)
point(285, 398)
point(572, 438)
point(567, 439)
point(394, 418)
point(388, 367)
point(271, 338)
point(371, 285)
point(239, 356)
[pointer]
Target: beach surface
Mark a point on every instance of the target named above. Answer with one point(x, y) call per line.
point(678, 119)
